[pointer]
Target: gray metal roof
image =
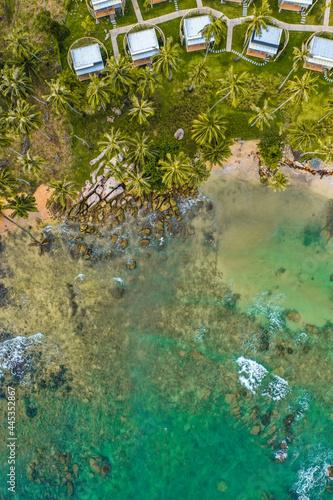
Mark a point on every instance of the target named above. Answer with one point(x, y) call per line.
point(104, 4)
point(267, 49)
point(142, 43)
point(298, 2)
point(193, 27)
point(87, 59)
point(271, 35)
point(321, 48)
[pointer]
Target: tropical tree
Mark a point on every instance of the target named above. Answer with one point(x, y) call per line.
point(20, 205)
point(233, 85)
point(278, 181)
point(24, 119)
point(15, 84)
point(62, 190)
point(141, 110)
point(300, 55)
point(31, 164)
point(140, 149)
point(147, 81)
point(168, 58)
point(300, 89)
point(138, 182)
point(214, 30)
point(262, 117)
point(176, 169)
point(198, 173)
point(198, 74)
point(326, 148)
point(7, 182)
point(329, 106)
point(98, 92)
point(216, 153)
point(303, 134)
point(208, 128)
point(119, 171)
point(5, 141)
point(20, 46)
point(261, 16)
point(114, 143)
point(120, 74)
point(61, 97)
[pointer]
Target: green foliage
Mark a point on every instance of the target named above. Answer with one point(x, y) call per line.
point(71, 82)
point(163, 145)
point(270, 148)
point(7, 7)
point(88, 24)
point(46, 24)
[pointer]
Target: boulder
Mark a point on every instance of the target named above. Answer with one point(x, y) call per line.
point(93, 200)
point(144, 243)
point(95, 467)
point(294, 316)
point(110, 185)
point(131, 264)
point(117, 192)
point(179, 134)
point(255, 430)
point(95, 160)
point(165, 206)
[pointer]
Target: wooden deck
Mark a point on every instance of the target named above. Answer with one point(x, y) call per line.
point(152, 2)
point(141, 62)
point(235, 1)
point(256, 53)
point(105, 12)
point(314, 67)
point(199, 46)
point(83, 78)
point(289, 6)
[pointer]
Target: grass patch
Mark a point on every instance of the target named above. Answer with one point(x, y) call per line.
point(160, 9)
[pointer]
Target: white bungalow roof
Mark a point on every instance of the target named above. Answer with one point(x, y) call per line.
point(104, 4)
point(143, 44)
point(298, 2)
point(321, 48)
point(193, 27)
point(87, 59)
point(267, 49)
point(271, 35)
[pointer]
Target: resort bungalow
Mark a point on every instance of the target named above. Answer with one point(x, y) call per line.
point(143, 46)
point(294, 5)
point(103, 8)
point(87, 60)
point(265, 43)
point(320, 54)
point(193, 26)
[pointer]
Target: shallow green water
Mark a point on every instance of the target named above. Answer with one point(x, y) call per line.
point(184, 387)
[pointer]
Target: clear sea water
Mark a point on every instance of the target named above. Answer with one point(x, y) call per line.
point(210, 378)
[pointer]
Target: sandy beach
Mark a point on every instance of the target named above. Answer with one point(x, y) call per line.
point(42, 193)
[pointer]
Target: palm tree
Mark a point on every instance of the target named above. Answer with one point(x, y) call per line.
point(198, 74)
point(98, 92)
point(233, 85)
point(63, 189)
point(263, 116)
point(24, 119)
point(138, 182)
point(119, 70)
point(115, 143)
point(198, 173)
point(278, 181)
point(140, 149)
point(299, 59)
point(60, 97)
point(21, 206)
point(7, 182)
point(258, 21)
point(168, 60)
point(177, 169)
point(118, 171)
point(147, 81)
point(209, 128)
point(14, 84)
point(326, 148)
point(216, 153)
point(329, 106)
point(300, 89)
point(303, 134)
point(18, 43)
point(32, 164)
point(141, 110)
point(214, 30)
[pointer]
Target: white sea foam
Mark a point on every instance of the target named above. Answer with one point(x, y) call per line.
point(270, 307)
point(313, 475)
point(254, 373)
point(257, 376)
point(14, 354)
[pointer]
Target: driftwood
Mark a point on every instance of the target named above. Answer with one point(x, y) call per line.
point(313, 171)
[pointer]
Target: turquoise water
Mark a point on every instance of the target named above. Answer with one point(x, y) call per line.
point(209, 378)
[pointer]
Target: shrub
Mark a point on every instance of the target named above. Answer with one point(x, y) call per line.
point(270, 148)
point(46, 24)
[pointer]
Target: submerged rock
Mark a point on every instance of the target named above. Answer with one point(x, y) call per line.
point(294, 316)
point(144, 243)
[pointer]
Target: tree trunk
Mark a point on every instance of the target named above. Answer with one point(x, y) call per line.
point(19, 154)
point(39, 100)
point(206, 55)
point(285, 102)
point(311, 153)
point(170, 77)
point(47, 136)
point(23, 180)
point(284, 81)
point(22, 228)
point(321, 119)
point(76, 111)
point(85, 142)
point(219, 101)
